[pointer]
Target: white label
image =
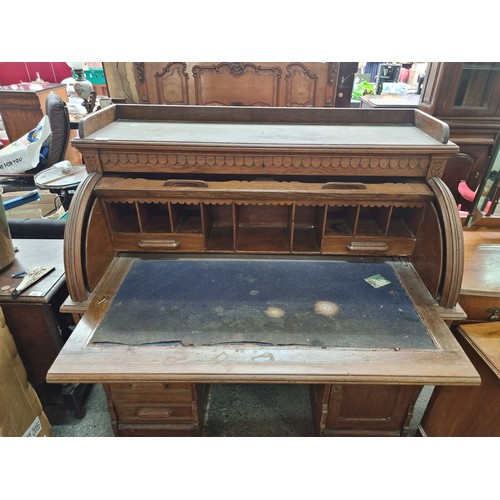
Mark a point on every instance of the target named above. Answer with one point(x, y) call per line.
point(34, 429)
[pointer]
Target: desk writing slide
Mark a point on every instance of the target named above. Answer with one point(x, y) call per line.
point(193, 301)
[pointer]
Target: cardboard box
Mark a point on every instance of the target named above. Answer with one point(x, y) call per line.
point(21, 413)
point(47, 207)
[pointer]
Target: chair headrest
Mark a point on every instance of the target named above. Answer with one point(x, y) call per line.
point(57, 112)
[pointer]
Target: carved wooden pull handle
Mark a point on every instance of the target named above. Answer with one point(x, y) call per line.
point(343, 186)
point(185, 183)
point(158, 244)
point(154, 413)
point(367, 247)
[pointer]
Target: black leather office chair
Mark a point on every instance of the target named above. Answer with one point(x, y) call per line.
point(57, 113)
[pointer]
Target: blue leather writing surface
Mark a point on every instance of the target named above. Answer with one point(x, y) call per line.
point(268, 301)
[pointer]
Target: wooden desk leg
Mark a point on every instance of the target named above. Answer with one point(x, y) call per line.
point(75, 396)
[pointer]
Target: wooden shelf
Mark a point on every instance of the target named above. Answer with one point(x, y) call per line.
point(286, 227)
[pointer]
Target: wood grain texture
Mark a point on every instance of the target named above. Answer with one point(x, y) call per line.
point(175, 182)
point(81, 360)
point(73, 238)
point(315, 84)
point(454, 248)
point(480, 292)
point(470, 411)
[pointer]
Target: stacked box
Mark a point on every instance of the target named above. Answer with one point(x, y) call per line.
point(21, 413)
point(48, 206)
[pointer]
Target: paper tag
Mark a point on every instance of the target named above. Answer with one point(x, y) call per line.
point(377, 280)
point(34, 429)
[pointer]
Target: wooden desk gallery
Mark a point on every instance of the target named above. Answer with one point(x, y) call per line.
point(214, 245)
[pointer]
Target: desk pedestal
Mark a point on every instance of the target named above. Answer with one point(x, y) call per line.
point(36, 325)
point(178, 409)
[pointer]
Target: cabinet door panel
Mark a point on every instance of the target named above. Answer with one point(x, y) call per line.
point(371, 407)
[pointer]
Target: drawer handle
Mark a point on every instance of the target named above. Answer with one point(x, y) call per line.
point(343, 186)
point(494, 313)
point(145, 385)
point(367, 247)
point(159, 244)
point(185, 183)
point(154, 413)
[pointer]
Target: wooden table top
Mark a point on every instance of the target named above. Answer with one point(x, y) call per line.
point(83, 360)
point(485, 340)
point(481, 262)
point(392, 101)
point(291, 134)
point(32, 253)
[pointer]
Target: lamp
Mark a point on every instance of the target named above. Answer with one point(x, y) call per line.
point(83, 88)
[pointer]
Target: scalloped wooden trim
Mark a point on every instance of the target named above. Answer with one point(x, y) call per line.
point(150, 160)
point(73, 238)
point(451, 281)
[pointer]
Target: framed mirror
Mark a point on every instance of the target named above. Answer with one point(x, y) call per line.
point(486, 199)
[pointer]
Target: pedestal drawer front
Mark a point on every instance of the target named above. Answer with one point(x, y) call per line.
point(161, 414)
point(160, 242)
point(152, 392)
point(159, 430)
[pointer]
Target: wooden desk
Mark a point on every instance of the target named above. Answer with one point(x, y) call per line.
point(38, 328)
point(480, 291)
point(390, 101)
point(470, 411)
point(243, 185)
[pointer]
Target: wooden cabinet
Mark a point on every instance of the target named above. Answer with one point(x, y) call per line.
point(23, 108)
point(460, 411)
point(467, 97)
point(234, 83)
point(480, 290)
point(38, 328)
point(472, 411)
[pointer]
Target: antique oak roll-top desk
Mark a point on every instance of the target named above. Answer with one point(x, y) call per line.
point(263, 245)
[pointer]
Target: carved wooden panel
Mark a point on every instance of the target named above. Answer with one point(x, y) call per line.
point(301, 85)
point(319, 84)
point(172, 84)
point(236, 84)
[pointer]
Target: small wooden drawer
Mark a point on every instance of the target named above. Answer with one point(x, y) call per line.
point(156, 413)
point(158, 430)
point(160, 242)
point(367, 246)
point(152, 392)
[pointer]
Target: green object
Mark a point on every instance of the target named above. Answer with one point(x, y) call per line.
point(94, 75)
point(362, 89)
